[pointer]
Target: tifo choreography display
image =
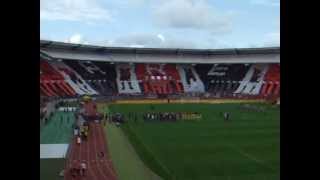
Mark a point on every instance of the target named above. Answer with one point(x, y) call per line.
point(97, 71)
point(71, 78)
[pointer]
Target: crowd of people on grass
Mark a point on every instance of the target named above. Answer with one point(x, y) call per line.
point(171, 116)
point(252, 107)
point(118, 118)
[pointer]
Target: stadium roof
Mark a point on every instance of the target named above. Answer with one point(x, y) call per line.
point(60, 50)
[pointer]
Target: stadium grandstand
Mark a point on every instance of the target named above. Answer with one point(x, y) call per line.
point(217, 97)
point(72, 70)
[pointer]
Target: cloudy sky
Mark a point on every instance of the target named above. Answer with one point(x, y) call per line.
point(201, 24)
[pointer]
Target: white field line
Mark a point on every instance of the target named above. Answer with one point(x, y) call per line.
point(247, 155)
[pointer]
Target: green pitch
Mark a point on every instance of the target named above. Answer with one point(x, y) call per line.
point(50, 169)
point(125, 160)
point(58, 130)
point(246, 148)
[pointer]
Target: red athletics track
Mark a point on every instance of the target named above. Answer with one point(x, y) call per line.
point(97, 168)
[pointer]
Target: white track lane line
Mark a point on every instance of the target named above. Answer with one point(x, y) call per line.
point(70, 159)
point(88, 159)
point(104, 148)
point(66, 164)
point(95, 153)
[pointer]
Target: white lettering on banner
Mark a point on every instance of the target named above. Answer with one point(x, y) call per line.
point(217, 70)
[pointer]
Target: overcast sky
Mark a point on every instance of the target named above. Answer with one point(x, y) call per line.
point(204, 24)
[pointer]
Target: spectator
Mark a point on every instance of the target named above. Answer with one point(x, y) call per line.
point(135, 118)
point(118, 124)
point(51, 115)
point(78, 140)
point(76, 131)
point(74, 172)
point(61, 119)
point(226, 116)
point(68, 119)
point(101, 154)
point(85, 135)
point(129, 116)
point(82, 130)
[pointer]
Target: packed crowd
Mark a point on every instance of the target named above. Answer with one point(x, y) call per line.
point(249, 107)
point(171, 116)
point(67, 104)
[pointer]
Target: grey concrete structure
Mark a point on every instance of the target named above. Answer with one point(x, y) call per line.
point(67, 51)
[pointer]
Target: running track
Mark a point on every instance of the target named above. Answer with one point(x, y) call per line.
point(97, 168)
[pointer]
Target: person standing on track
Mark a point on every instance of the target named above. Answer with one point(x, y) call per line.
point(82, 131)
point(101, 154)
point(73, 172)
point(85, 135)
point(78, 140)
point(76, 131)
point(83, 168)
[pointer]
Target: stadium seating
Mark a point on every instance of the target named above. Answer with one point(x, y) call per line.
point(52, 82)
point(126, 79)
point(109, 81)
point(253, 80)
point(221, 79)
point(87, 69)
point(159, 78)
point(69, 78)
point(190, 79)
point(73, 78)
point(99, 75)
point(271, 84)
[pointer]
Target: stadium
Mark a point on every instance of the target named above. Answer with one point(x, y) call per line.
point(123, 113)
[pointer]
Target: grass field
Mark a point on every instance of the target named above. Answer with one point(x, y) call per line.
point(50, 169)
point(246, 148)
point(58, 130)
point(125, 160)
